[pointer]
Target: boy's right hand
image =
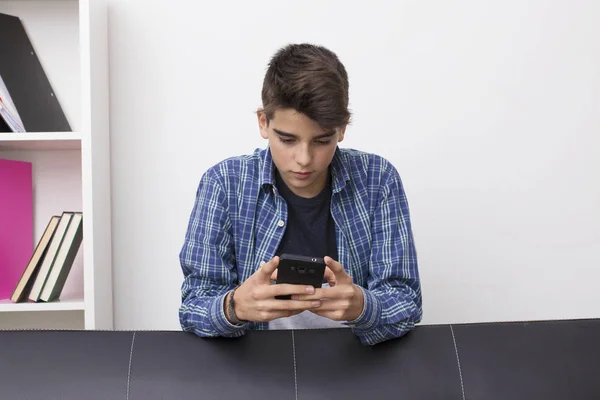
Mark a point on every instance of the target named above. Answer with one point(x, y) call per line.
point(255, 298)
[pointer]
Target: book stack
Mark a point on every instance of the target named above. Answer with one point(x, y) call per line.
point(46, 273)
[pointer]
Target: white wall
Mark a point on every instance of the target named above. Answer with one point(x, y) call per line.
point(490, 111)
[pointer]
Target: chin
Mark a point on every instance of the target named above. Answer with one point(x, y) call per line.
point(301, 184)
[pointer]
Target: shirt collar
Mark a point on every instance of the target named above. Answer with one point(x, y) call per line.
point(338, 170)
point(267, 176)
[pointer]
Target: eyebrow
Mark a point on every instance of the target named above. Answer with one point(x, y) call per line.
point(292, 136)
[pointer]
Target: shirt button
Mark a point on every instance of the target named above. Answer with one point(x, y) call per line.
point(280, 224)
point(262, 263)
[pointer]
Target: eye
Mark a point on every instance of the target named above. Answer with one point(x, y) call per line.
point(286, 141)
point(323, 142)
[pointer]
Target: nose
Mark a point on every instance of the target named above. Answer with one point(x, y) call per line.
point(304, 156)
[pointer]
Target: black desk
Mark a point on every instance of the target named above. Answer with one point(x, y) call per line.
point(541, 360)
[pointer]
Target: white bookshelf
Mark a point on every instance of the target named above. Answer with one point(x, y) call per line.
point(40, 140)
point(71, 170)
point(64, 304)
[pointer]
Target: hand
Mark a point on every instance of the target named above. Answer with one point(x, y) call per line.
point(344, 302)
point(329, 275)
point(255, 298)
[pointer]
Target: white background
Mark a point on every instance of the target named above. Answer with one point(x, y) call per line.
point(489, 110)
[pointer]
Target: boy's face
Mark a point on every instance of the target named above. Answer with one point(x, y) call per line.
point(301, 149)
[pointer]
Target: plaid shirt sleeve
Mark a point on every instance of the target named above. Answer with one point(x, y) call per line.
point(393, 303)
point(207, 261)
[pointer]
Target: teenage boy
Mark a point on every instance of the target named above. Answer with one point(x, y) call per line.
point(302, 195)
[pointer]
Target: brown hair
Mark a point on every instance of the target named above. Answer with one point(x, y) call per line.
point(309, 79)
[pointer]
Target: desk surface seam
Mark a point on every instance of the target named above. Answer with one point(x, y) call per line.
point(462, 387)
point(295, 374)
point(129, 368)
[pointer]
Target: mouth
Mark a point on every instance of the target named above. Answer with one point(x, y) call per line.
point(302, 175)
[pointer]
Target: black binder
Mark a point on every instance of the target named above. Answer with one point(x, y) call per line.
point(27, 82)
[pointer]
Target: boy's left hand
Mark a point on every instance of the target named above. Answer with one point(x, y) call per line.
point(344, 302)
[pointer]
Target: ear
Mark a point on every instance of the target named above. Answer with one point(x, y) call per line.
point(342, 130)
point(262, 123)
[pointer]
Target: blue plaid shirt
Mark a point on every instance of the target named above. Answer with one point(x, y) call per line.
point(238, 221)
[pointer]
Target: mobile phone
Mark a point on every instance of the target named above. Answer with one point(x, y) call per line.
point(300, 270)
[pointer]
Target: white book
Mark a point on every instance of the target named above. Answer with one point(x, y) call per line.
point(8, 111)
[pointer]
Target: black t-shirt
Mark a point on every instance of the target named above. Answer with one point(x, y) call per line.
point(310, 228)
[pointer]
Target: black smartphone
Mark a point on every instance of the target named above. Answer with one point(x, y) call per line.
point(300, 270)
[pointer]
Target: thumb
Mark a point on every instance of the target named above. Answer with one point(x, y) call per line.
point(330, 276)
point(337, 269)
point(267, 270)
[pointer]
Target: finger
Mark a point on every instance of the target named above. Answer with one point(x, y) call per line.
point(333, 305)
point(291, 305)
point(338, 270)
point(284, 289)
point(321, 293)
point(267, 270)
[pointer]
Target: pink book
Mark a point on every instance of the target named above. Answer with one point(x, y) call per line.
point(16, 223)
